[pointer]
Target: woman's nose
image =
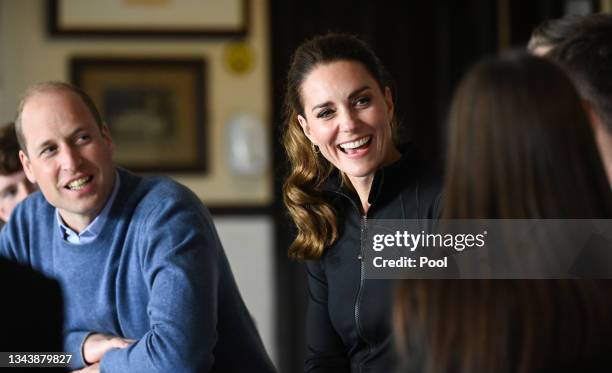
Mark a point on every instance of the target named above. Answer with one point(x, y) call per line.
point(348, 121)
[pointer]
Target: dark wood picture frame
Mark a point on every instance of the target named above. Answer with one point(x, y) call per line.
point(57, 27)
point(155, 109)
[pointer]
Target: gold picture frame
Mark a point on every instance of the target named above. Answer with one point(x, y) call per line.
point(148, 18)
point(154, 107)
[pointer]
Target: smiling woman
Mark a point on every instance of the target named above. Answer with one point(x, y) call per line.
point(347, 116)
point(345, 169)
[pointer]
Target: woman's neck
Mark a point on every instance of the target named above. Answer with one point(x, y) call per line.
point(363, 184)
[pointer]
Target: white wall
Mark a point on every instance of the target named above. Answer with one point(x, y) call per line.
point(249, 245)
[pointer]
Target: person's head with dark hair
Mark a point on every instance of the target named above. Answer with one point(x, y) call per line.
point(325, 73)
point(587, 58)
point(14, 186)
point(520, 147)
point(9, 156)
point(552, 32)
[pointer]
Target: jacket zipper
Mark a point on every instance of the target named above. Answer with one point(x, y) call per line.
point(364, 224)
point(356, 313)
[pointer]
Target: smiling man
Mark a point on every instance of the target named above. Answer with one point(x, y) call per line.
point(14, 186)
point(146, 282)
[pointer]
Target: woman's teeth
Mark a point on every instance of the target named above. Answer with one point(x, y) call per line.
point(355, 144)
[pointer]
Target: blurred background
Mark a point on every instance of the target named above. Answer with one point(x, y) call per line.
point(193, 89)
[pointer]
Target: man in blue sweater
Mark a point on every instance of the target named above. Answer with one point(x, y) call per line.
point(146, 283)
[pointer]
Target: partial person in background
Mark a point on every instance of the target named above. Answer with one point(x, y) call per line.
point(32, 312)
point(587, 58)
point(146, 283)
point(346, 168)
point(520, 147)
point(552, 32)
point(14, 185)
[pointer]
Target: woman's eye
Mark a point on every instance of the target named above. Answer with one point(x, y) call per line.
point(362, 101)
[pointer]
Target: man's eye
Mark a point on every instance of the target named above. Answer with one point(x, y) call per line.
point(83, 138)
point(324, 114)
point(48, 150)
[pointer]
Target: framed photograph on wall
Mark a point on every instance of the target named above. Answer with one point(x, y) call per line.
point(155, 109)
point(150, 18)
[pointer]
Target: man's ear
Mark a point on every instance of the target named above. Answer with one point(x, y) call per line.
point(27, 166)
point(305, 127)
point(107, 137)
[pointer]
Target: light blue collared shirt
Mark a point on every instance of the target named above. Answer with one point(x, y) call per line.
point(93, 229)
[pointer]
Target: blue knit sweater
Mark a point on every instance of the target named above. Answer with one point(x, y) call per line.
point(156, 273)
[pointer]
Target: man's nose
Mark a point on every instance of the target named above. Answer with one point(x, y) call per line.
point(70, 158)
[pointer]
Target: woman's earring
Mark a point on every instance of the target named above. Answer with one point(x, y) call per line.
point(315, 149)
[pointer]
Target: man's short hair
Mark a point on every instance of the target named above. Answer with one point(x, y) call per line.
point(9, 150)
point(553, 32)
point(587, 57)
point(50, 87)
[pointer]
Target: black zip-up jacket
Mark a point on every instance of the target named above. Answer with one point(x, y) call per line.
point(349, 325)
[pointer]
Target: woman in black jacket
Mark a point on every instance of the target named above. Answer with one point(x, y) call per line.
point(346, 169)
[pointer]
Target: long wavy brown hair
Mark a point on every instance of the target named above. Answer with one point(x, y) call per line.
point(520, 146)
point(314, 217)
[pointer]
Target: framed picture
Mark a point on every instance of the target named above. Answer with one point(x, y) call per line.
point(155, 109)
point(155, 18)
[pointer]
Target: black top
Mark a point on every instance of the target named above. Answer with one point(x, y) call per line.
point(349, 318)
point(32, 312)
